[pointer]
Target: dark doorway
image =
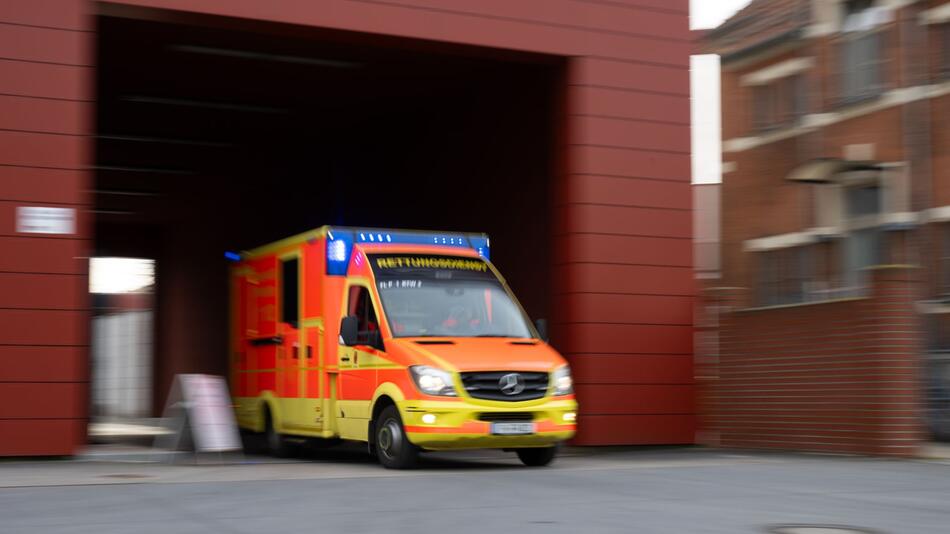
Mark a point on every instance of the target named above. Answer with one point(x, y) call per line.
point(217, 134)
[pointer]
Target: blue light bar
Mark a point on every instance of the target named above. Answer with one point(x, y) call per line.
point(232, 256)
point(339, 247)
point(340, 243)
point(480, 244)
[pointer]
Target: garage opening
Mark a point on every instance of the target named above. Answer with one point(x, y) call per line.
point(216, 135)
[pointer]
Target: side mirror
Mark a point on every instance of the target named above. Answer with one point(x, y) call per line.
point(349, 330)
point(541, 325)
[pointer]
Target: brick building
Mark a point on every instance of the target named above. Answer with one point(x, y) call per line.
point(832, 313)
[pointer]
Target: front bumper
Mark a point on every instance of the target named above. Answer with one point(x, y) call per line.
point(457, 424)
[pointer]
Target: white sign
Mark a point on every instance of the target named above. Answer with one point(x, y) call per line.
point(202, 402)
point(44, 220)
point(210, 413)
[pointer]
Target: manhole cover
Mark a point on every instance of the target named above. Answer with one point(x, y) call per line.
point(819, 529)
point(125, 475)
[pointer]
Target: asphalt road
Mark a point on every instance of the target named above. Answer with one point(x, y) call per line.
point(628, 490)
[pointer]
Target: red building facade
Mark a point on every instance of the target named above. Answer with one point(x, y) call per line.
point(617, 280)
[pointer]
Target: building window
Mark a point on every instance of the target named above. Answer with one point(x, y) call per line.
point(863, 249)
point(861, 51)
point(779, 103)
point(784, 275)
point(863, 200)
point(834, 263)
point(289, 295)
point(864, 240)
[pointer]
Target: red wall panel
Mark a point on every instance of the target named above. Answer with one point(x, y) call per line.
point(667, 6)
point(627, 309)
point(623, 133)
point(627, 250)
point(590, 277)
point(633, 368)
point(43, 400)
point(619, 191)
point(40, 255)
point(49, 291)
point(596, 160)
point(44, 80)
point(43, 45)
point(627, 220)
point(49, 13)
point(598, 17)
point(636, 399)
point(43, 327)
point(629, 339)
point(42, 364)
point(622, 103)
point(440, 25)
point(635, 429)
point(43, 150)
point(42, 185)
point(637, 77)
point(45, 117)
point(41, 437)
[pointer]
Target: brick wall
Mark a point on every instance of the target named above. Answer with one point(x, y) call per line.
point(838, 376)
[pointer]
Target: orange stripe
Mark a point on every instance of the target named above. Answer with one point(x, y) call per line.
point(469, 427)
point(549, 426)
point(479, 427)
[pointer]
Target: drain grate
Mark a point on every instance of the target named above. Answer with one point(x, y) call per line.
point(819, 529)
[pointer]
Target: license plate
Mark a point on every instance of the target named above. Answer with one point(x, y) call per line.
point(509, 429)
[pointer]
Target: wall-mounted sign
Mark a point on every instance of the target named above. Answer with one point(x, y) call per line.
point(45, 220)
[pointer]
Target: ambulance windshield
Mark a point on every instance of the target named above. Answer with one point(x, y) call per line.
point(445, 296)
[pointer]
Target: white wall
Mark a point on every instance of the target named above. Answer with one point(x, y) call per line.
point(122, 367)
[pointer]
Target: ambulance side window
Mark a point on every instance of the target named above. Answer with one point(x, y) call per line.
point(361, 305)
point(289, 295)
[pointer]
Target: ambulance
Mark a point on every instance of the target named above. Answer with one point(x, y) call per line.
point(409, 341)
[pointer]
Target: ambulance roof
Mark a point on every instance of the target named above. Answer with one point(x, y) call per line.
point(340, 241)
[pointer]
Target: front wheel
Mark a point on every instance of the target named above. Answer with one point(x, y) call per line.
point(276, 442)
point(392, 444)
point(537, 457)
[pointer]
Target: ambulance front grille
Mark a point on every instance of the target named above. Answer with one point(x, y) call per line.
point(487, 385)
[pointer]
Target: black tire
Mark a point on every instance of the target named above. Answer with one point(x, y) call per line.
point(254, 442)
point(392, 445)
point(277, 444)
point(537, 457)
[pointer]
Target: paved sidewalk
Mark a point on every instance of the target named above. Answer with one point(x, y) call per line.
point(587, 490)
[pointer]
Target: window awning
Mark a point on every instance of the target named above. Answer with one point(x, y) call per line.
point(823, 170)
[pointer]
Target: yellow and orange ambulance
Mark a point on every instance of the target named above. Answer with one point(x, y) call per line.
point(406, 340)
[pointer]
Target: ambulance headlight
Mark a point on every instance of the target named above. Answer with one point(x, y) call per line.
point(432, 381)
point(563, 384)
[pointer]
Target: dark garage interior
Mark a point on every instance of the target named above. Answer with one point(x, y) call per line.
point(214, 135)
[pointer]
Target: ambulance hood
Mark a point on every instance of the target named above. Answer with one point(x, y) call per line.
point(481, 354)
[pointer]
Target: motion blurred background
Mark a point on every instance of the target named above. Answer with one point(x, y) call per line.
point(780, 280)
